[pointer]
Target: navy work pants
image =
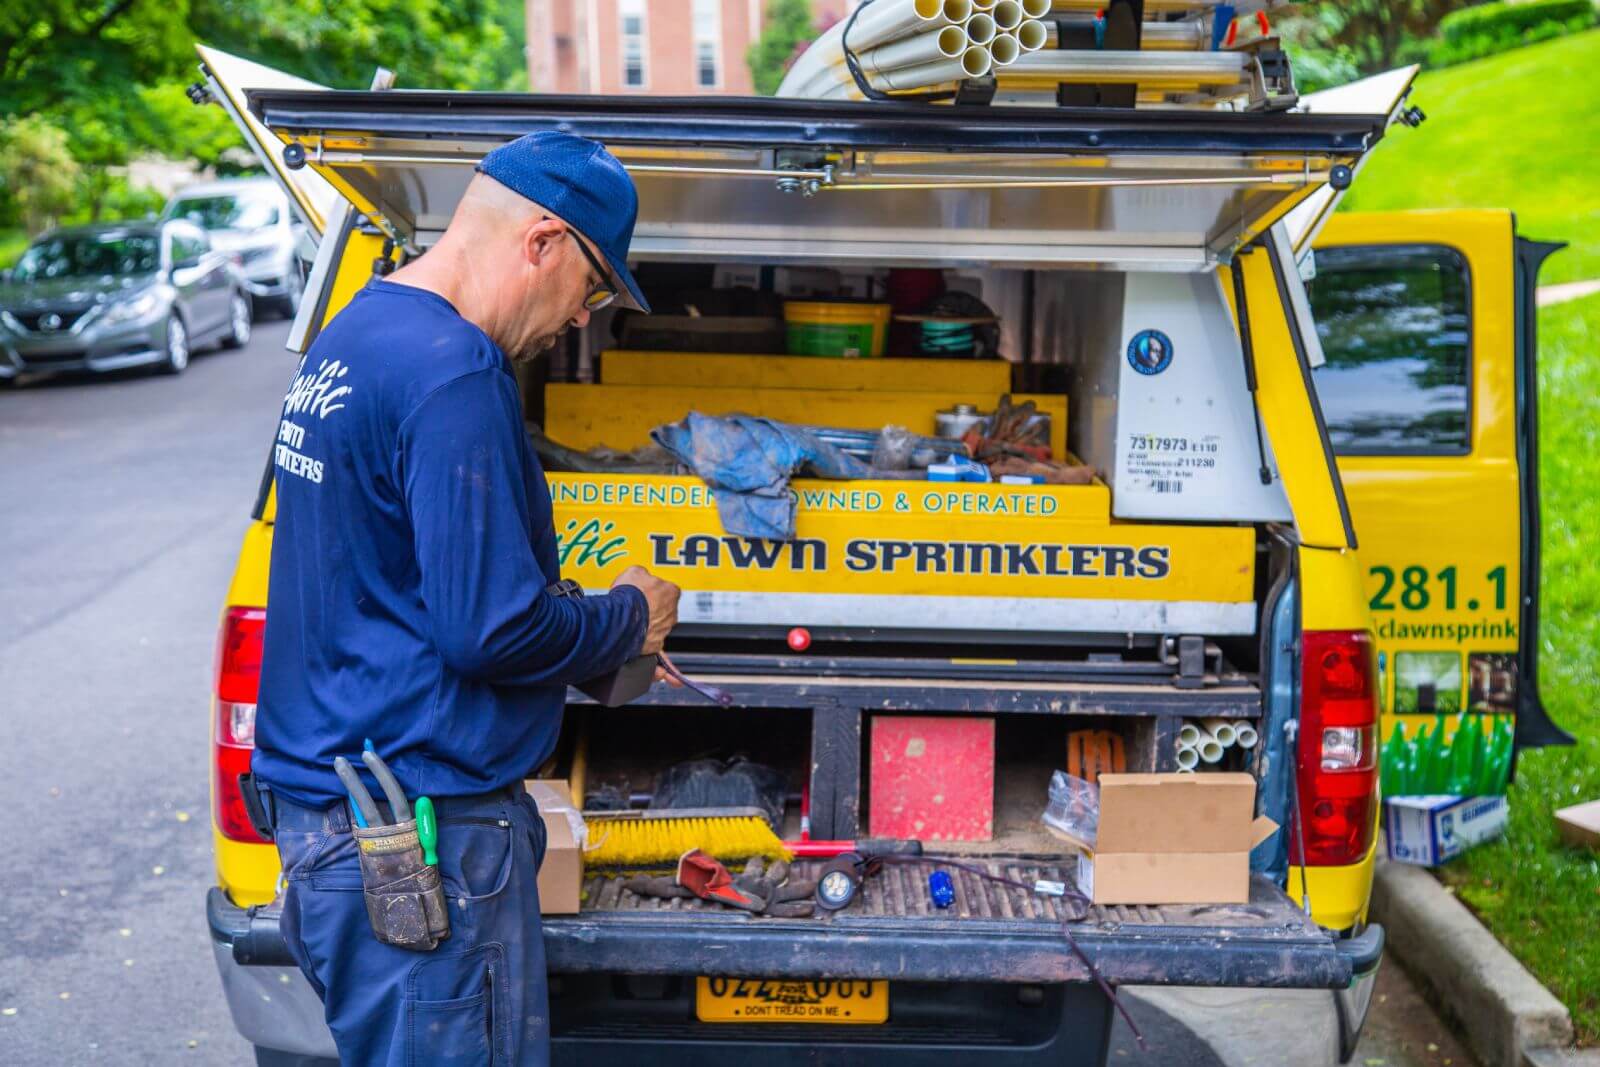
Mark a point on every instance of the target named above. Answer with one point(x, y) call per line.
point(481, 996)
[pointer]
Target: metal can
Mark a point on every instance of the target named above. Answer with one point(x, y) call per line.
point(955, 422)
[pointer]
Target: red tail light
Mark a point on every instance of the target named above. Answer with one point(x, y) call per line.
point(1338, 767)
point(233, 731)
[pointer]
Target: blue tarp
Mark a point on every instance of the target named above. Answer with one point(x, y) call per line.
point(748, 462)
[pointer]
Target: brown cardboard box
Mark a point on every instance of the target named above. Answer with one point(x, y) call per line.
point(1580, 825)
point(1174, 839)
point(561, 874)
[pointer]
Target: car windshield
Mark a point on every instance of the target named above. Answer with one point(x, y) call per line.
point(240, 211)
point(114, 252)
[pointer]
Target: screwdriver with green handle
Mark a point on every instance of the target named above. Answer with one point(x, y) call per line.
point(428, 831)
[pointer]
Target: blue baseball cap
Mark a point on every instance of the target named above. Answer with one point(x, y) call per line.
point(578, 180)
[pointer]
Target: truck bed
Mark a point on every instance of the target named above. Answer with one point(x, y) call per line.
point(992, 933)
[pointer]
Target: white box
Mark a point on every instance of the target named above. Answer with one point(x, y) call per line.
point(1427, 831)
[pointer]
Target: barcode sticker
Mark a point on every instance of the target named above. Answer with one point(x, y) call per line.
point(1048, 888)
point(1166, 485)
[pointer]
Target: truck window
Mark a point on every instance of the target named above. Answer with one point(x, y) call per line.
point(1395, 326)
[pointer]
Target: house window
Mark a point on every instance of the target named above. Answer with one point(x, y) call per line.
point(633, 42)
point(708, 43)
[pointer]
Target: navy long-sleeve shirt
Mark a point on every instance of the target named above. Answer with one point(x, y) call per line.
point(411, 554)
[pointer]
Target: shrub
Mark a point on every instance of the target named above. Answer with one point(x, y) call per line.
point(1489, 28)
point(38, 176)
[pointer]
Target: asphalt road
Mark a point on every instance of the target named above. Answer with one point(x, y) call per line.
point(122, 502)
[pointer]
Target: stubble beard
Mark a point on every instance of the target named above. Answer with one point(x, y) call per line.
point(537, 347)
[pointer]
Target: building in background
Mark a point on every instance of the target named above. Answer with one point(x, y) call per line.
point(655, 47)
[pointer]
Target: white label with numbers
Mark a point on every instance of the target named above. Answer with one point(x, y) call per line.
point(1186, 443)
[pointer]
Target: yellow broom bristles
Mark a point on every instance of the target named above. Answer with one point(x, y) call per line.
point(623, 841)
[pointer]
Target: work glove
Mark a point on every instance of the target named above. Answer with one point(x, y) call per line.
point(785, 899)
point(760, 889)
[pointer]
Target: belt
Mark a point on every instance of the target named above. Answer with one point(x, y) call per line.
point(288, 815)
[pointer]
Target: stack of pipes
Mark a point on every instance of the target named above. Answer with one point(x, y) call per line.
point(1205, 741)
point(904, 46)
point(908, 45)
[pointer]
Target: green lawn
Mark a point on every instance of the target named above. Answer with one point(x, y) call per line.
point(1539, 898)
point(1517, 130)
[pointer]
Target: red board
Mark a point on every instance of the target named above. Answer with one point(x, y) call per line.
point(932, 778)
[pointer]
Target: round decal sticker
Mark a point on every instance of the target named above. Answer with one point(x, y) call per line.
point(1150, 352)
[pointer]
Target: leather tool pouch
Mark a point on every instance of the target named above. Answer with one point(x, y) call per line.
point(404, 895)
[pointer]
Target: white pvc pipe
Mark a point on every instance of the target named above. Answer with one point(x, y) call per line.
point(1032, 35)
point(947, 43)
point(1209, 750)
point(1035, 9)
point(1188, 735)
point(1004, 49)
point(1204, 68)
point(1188, 758)
point(1151, 7)
point(982, 5)
point(1007, 14)
point(1221, 729)
point(1245, 736)
point(973, 63)
point(1153, 36)
point(980, 29)
point(883, 21)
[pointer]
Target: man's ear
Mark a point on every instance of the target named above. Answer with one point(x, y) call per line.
point(539, 241)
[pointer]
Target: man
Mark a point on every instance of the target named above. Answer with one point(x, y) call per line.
point(412, 553)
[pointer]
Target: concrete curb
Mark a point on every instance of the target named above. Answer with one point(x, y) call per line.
point(1561, 1057)
point(1509, 1019)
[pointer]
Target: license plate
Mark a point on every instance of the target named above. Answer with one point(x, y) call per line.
point(768, 1000)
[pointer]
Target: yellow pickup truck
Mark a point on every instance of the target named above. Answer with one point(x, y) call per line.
point(1250, 408)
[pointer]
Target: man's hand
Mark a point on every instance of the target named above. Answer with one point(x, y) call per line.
point(662, 596)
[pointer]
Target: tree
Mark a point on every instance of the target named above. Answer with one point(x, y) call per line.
point(38, 175)
point(55, 50)
point(430, 44)
point(788, 29)
point(1376, 34)
point(111, 73)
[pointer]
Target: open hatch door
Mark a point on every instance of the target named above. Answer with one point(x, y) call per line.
point(1381, 97)
point(800, 181)
point(229, 78)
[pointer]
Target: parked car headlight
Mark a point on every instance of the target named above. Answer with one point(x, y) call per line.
point(10, 322)
point(137, 307)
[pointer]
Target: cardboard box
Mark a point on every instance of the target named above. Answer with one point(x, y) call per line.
point(932, 778)
point(1427, 831)
point(1579, 825)
point(1174, 839)
point(561, 873)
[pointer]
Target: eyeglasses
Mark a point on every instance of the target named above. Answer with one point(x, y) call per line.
point(603, 293)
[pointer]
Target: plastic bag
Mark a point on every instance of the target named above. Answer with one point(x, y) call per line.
point(892, 452)
point(1074, 809)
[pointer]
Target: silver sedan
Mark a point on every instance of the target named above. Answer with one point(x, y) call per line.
point(115, 295)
